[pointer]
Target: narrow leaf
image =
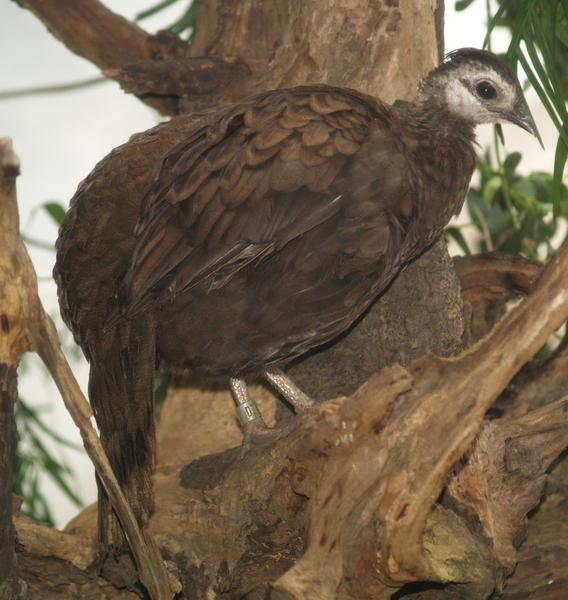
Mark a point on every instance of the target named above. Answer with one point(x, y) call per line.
point(55, 211)
point(560, 157)
point(457, 235)
point(154, 9)
point(462, 4)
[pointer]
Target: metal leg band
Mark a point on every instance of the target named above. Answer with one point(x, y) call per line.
point(247, 412)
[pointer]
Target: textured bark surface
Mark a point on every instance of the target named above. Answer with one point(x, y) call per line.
point(26, 327)
point(340, 504)
point(13, 341)
point(11, 586)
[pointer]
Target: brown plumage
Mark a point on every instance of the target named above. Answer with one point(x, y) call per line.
point(264, 234)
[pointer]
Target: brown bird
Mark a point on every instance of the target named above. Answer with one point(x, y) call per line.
point(263, 235)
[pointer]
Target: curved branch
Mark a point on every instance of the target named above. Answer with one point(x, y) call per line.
point(151, 66)
point(27, 327)
point(489, 280)
point(91, 30)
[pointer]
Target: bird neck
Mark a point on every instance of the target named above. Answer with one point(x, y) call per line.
point(432, 119)
point(440, 148)
point(434, 135)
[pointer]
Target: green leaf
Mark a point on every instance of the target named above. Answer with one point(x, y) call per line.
point(560, 157)
point(457, 235)
point(32, 416)
point(511, 163)
point(525, 186)
point(462, 4)
point(55, 211)
point(33, 458)
point(499, 132)
point(547, 76)
point(494, 22)
point(562, 35)
point(543, 97)
point(154, 9)
point(490, 190)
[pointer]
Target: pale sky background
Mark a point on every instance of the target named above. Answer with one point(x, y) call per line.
point(60, 137)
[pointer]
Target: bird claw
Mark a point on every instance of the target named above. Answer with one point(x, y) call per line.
point(257, 433)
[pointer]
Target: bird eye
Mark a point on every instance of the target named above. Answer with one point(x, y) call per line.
point(486, 90)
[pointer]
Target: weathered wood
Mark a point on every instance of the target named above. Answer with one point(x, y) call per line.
point(91, 30)
point(13, 341)
point(11, 586)
point(489, 280)
point(26, 327)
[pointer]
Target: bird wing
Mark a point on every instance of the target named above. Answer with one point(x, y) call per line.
point(241, 188)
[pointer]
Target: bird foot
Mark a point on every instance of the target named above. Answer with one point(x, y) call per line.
point(257, 433)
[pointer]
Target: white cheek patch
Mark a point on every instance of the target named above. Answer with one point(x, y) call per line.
point(462, 102)
point(465, 103)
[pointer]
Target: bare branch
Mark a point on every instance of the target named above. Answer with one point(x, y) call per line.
point(14, 340)
point(91, 30)
point(489, 280)
point(27, 327)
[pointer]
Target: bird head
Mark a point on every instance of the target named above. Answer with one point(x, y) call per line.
point(478, 87)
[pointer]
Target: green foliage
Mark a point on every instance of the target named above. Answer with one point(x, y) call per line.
point(516, 213)
point(33, 460)
point(539, 43)
point(513, 212)
point(56, 211)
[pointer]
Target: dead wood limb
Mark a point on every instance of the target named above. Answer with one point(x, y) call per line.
point(428, 432)
point(489, 280)
point(179, 76)
point(447, 405)
point(538, 384)
point(56, 564)
point(371, 479)
point(13, 341)
point(505, 475)
point(12, 587)
point(91, 30)
point(497, 271)
point(27, 327)
point(542, 570)
point(108, 40)
point(333, 476)
point(150, 66)
point(317, 48)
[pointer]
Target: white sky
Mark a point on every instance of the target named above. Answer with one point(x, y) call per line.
point(60, 137)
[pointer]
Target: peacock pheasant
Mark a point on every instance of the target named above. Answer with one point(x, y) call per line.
point(263, 235)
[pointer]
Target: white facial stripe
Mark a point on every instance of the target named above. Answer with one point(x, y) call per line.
point(463, 100)
point(463, 103)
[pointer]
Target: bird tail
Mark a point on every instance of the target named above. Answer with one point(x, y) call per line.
point(121, 391)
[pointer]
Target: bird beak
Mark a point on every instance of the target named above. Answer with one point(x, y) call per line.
point(522, 119)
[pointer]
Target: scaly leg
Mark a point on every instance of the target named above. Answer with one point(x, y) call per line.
point(291, 392)
point(247, 411)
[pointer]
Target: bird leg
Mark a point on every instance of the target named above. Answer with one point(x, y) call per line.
point(249, 415)
point(287, 388)
point(247, 411)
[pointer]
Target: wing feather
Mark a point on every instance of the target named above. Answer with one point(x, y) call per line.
point(238, 190)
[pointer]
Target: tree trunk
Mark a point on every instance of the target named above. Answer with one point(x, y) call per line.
point(364, 497)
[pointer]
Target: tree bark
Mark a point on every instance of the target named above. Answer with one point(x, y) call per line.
point(12, 343)
point(378, 492)
point(11, 586)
